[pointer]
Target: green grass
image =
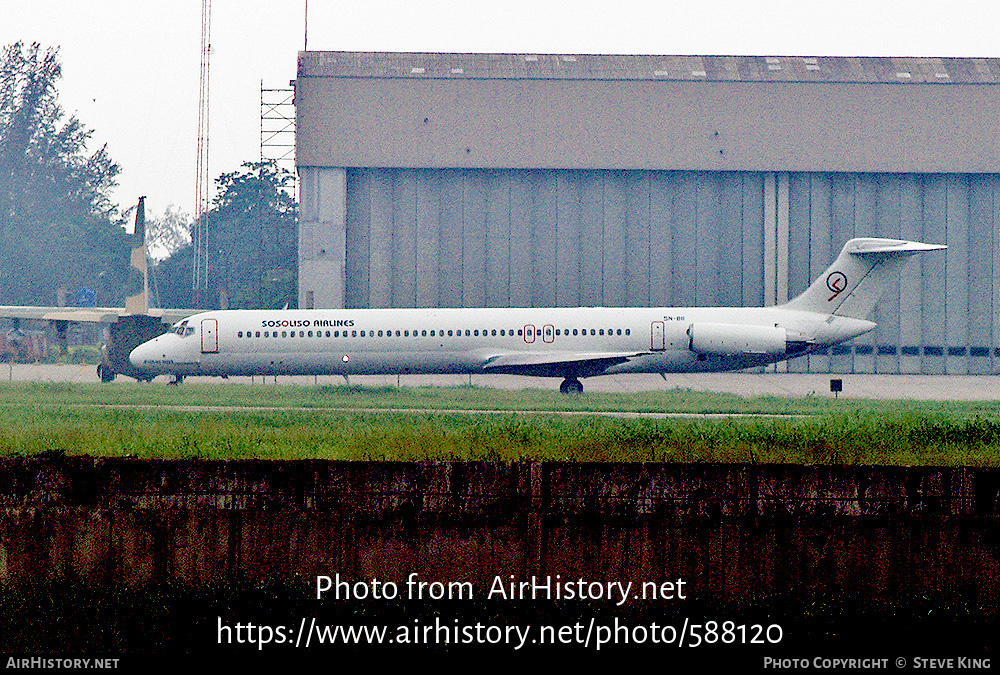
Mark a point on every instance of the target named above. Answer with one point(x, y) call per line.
point(292, 422)
point(461, 398)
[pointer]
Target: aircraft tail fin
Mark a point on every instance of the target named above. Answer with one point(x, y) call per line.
point(854, 282)
point(139, 303)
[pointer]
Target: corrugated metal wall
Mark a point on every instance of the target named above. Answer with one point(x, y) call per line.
point(498, 238)
point(491, 238)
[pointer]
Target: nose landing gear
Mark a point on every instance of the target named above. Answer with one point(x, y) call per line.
point(571, 385)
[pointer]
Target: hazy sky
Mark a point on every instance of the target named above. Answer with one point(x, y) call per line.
point(130, 68)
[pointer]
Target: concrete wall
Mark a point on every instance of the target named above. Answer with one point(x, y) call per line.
point(733, 532)
point(322, 247)
point(412, 122)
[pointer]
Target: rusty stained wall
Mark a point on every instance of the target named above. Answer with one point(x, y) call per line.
point(733, 532)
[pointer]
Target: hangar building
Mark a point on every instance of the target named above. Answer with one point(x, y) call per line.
point(446, 180)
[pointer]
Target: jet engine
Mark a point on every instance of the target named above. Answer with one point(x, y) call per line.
point(726, 339)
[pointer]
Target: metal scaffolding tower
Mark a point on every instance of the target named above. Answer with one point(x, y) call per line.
point(277, 129)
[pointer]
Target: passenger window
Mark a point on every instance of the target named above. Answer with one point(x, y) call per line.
point(239, 334)
point(449, 333)
point(257, 334)
point(628, 331)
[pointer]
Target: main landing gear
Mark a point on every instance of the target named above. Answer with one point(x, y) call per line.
point(571, 385)
point(177, 380)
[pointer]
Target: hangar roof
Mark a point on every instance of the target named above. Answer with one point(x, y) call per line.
point(902, 70)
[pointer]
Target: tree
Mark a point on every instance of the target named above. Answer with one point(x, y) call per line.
point(57, 223)
point(168, 233)
point(252, 232)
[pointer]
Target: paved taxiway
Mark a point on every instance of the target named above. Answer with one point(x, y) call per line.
point(919, 387)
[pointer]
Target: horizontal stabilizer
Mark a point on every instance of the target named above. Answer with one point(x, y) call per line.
point(889, 247)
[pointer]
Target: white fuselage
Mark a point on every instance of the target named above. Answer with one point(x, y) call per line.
point(561, 342)
point(556, 342)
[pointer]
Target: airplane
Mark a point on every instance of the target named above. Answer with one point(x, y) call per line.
point(128, 326)
point(571, 343)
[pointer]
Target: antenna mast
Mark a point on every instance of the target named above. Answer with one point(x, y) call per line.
point(199, 266)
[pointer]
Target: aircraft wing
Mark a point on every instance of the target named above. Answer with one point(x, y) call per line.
point(87, 314)
point(556, 364)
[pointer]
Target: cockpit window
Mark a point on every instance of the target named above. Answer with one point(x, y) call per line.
point(182, 329)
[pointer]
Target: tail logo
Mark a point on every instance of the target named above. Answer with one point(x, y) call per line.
point(836, 282)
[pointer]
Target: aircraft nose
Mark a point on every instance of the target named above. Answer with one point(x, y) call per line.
point(140, 354)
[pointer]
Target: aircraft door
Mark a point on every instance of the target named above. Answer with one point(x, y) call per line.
point(548, 333)
point(529, 334)
point(657, 336)
point(209, 336)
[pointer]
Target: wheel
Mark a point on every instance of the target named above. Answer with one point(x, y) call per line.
point(177, 380)
point(571, 385)
point(105, 373)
